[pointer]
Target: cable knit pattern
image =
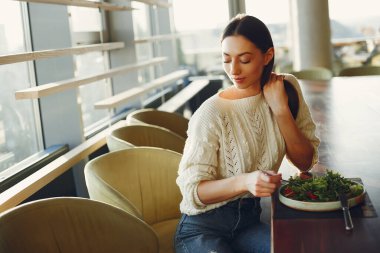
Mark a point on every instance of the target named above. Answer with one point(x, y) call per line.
point(230, 137)
point(230, 148)
point(258, 130)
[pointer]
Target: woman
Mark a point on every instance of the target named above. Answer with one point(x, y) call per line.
point(236, 142)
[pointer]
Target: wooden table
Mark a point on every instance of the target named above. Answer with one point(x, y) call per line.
point(347, 113)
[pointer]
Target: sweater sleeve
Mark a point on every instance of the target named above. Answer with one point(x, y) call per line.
point(304, 120)
point(199, 160)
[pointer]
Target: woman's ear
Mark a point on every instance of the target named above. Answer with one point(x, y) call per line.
point(269, 55)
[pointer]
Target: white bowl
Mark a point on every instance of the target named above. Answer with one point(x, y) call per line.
point(318, 206)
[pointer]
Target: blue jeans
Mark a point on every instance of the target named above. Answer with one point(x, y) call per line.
point(234, 227)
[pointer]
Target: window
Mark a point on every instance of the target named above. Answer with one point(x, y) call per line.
point(201, 28)
point(355, 32)
point(277, 20)
point(19, 123)
point(142, 29)
point(86, 27)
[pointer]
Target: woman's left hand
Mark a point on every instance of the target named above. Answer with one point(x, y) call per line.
point(298, 148)
point(275, 94)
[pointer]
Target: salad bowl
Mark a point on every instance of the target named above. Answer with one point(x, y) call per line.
point(308, 195)
point(318, 206)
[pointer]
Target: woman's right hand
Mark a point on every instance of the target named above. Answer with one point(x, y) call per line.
point(262, 184)
point(275, 94)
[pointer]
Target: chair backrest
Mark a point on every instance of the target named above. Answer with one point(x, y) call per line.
point(316, 73)
point(360, 71)
point(66, 225)
point(141, 180)
point(144, 136)
point(172, 121)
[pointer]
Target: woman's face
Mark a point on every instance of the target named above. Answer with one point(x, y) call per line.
point(244, 62)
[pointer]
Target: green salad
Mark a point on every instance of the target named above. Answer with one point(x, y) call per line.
point(321, 189)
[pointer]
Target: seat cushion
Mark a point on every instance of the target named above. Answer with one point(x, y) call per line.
point(165, 231)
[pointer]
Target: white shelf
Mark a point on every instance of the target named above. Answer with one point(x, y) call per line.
point(51, 88)
point(30, 56)
point(156, 38)
point(138, 91)
point(184, 95)
point(155, 2)
point(83, 3)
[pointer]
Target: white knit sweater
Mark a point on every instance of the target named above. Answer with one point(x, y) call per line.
point(230, 137)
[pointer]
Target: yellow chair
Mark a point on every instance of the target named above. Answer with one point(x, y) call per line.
point(360, 71)
point(67, 225)
point(144, 135)
point(141, 181)
point(316, 73)
point(172, 121)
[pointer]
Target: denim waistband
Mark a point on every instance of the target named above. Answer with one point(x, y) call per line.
point(243, 202)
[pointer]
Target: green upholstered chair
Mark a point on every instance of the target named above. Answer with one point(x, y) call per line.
point(316, 73)
point(68, 224)
point(172, 121)
point(144, 135)
point(360, 71)
point(141, 181)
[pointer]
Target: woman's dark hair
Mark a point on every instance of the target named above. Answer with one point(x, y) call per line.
point(257, 32)
point(293, 100)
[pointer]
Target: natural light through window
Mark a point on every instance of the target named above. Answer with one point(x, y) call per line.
point(11, 32)
point(265, 11)
point(199, 14)
point(363, 20)
point(19, 136)
point(354, 9)
point(203, 23)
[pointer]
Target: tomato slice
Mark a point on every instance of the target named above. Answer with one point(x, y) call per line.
point(288, 192)
point(311, 195)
